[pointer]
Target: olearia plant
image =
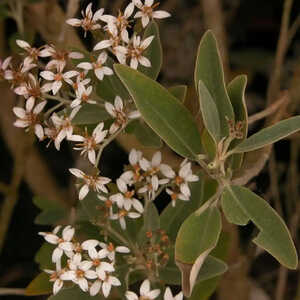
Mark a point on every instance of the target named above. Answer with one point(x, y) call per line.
point(116, 238)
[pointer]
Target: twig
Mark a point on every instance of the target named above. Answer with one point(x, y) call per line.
point(269, 110)
point(274, 84)
point(8, 291)
point(293, 30)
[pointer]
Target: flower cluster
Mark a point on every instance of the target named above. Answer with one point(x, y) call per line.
point(90, 264)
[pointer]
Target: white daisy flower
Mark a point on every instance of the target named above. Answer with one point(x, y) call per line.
point(122, 214)
point(63, 243)
point(117, 111)
point(152, 185)
point(89, 20)
point(174, 196)
point(89, 144)
point(57, 78)
point(109, 250)
point(80, 271)
point(94, 182)
point(125, 198)
point(147, 11)
point(99, 69)
point(63, 125)
point(82, 95)
point(107, 284)
point(145, 292)
point(136, 49)
point(29, 117)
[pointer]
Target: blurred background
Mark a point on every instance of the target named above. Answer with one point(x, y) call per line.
point(255, 39)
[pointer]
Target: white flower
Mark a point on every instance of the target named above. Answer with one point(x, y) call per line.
point(59, 57)
point(109, 250)
point(108, 282)
point(57, 277)
point(89, 144)
point(175, 196)
point(169, 296)
point(97, 183)
point(63, 243)
point(80, 271)
point(146, 11)
point(28, 117)
point(57, 79)
point(30, 88)
point(33, 53)
point(117, 111)
point(99, 69)
point(125, 198)
point(121, 22)
point(121, 214)
point(82, 95)
point(152, 185)
point(136, 49)
point(89, 21)
point(185, 175)
point(63, 125)
point(145, 292)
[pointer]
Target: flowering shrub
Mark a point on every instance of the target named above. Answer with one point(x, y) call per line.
point(117, 237)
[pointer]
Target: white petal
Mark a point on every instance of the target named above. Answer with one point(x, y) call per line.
point(57, 254)
point(30, 104)
point(103, 45)
point(76, 172)
point(83, 284)
point(131, 295)
point(92, 156)
point(145, 20)
point(122, 186)
point(76, 55)
point(106, 287)
point(149, 3)
point(134, 63)
point(48, 75)
point(83, 191)
point(107, 71)
point(19, 112)
point(85, 66)
point(144, 61)
point(56, 87)
point(156, 159)
point(39, 107)
point(98, 14)
point(99, 73)
point(22, 44)
point(66, 246)
point(110, 109)
point(58, 284)
point(89, 244)
point(145, 288)
point(74, 22)
point(146, 42)
point(153, 294)
point(51, 238)
point(129, 10)
point(160, 14)
point(39, 131)
point(122, 249)
point(118, 103)
point(95, 288)
point(68, 233)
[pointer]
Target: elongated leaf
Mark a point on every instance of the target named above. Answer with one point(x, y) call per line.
point(163, 112)
point(208, 144)
point(274, 236)
point(145, 135)
point(204, 289)
point(172, 217)
point(179, 91)
point(43, 256)
point(236, 91)
point(209, 69)
point(153, 52)
point(197, 236)
point(40, 285)
point(269, 135)
point(210, 112)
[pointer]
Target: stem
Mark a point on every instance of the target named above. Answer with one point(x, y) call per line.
point(8, 291)
point(57, 98)
point(51, 110)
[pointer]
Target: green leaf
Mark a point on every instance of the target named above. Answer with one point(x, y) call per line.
point(210, 112)
point(52, 211)
point(74, 293)
point(111, 86)
point(179, 91)
point(40, 285)
point(43, 256)
point(269, 135)
point(153, 52)
point(204, 290)
point(209, 69)
point(163, 112)
point(236, 91)
point(198, 233)
point(274, 236)
point(145, 135)
point(172, 217)
point(90, 114)
point(197, 236)
point(208, 144)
